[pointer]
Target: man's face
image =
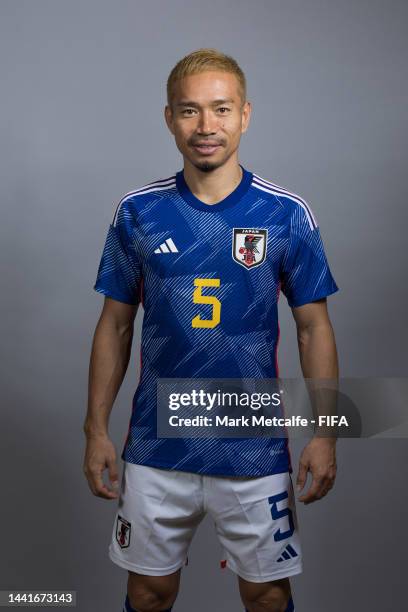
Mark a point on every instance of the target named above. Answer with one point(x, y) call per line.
point(207, 118)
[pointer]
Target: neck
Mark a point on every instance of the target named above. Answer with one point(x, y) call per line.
point(212, 187)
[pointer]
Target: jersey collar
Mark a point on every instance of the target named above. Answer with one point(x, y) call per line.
point(230, 200)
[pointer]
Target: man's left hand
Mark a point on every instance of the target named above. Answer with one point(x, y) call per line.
point(318, 457)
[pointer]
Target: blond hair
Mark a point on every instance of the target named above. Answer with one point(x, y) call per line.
point(203, 60)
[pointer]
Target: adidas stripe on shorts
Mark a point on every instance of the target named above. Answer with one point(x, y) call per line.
point(159, 511)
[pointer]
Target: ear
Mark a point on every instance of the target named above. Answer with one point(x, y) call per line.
point(246, 115)
point(168, 116)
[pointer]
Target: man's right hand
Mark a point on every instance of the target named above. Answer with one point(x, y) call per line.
point(100, 454)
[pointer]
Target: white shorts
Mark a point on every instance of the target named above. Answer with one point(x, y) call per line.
point(159, 511)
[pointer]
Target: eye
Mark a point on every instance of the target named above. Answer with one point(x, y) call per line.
point(223, 108)
point(187, 111)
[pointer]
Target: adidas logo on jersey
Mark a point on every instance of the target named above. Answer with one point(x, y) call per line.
point(287, 554)
point(167, 247)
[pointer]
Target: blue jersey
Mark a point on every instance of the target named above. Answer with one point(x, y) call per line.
point(209, 277)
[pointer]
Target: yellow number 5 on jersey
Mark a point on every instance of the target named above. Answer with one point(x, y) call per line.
point(199, 298)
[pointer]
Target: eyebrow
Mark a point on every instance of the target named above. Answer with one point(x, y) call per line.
point(213, 103)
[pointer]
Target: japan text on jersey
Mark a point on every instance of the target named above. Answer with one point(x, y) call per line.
point(209, 277)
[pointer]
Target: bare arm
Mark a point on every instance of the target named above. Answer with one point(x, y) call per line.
point(317, 347)
point(109, 360)
point(318, 359)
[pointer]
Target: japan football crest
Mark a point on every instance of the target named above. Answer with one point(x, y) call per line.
point(249, 246)
point(123, 532)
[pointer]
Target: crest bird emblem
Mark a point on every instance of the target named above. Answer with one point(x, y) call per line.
point(249, 246)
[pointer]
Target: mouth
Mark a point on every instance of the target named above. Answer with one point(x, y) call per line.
point(206, 149)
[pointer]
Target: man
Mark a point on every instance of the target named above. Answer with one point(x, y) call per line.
point(206, 251)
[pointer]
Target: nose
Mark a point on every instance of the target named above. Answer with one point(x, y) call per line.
point(207, 122)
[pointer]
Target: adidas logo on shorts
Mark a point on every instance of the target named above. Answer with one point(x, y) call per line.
point(288, 553)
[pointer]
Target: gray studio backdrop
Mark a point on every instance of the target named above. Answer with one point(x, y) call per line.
point(83, 91)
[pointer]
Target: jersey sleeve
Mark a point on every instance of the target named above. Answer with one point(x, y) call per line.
point(119, 274)
point(305, 272)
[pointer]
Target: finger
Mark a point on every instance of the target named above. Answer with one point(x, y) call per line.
point(90, 479)
point(113, 474)
point(301, 477)
point(328, 486)
point(319, 488)
point(103, 491)
point(106, 493)
point(314, 491)
point(98, 486)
